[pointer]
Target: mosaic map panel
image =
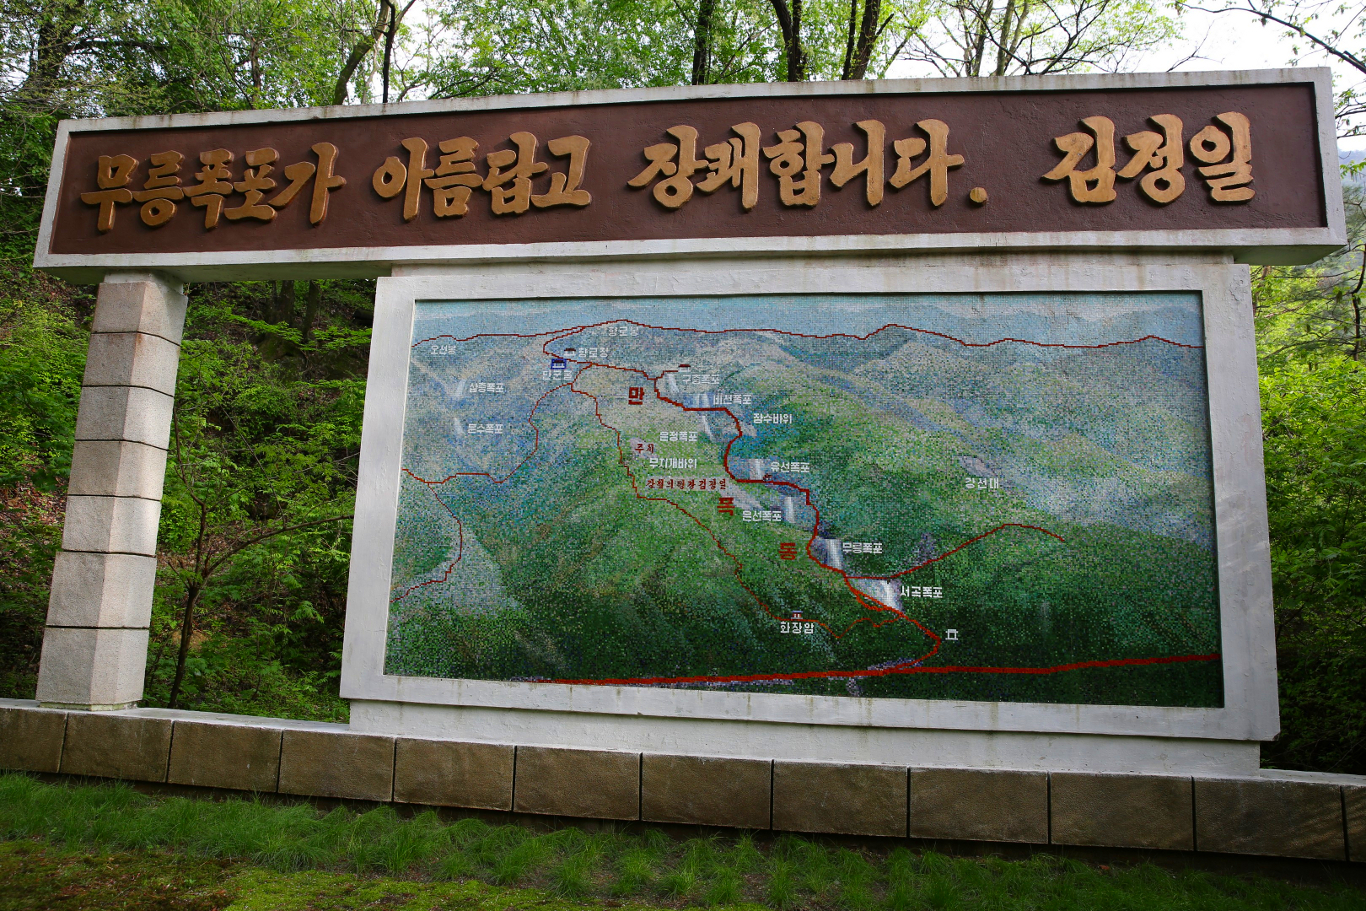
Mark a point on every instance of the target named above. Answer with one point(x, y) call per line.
point(978, 497)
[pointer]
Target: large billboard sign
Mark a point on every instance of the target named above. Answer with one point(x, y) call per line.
point(893, 422)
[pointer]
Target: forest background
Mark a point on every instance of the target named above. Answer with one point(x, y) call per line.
point(255, 525)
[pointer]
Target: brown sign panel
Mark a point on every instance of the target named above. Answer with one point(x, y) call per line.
point(1177, 158)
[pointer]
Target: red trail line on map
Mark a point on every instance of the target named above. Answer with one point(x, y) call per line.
point(899, 669)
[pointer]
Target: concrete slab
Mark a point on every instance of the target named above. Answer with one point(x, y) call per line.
point(1354, 806)
point(1277, 818)
point(706, 791)
point(125, 413)
point(131, 359)
point(446, 773)
point(117, 468)
point(31, 739)
point(230, 756)
point(114, 745)
point(326, 764)
point(110, 590)
point(154, 307)
point(92, 668)
point(120, 525)
point(1122, 811)
point(979, 805)
point(843, 799)
point(597, 784)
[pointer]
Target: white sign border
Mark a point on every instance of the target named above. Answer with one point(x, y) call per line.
point(1250, 711)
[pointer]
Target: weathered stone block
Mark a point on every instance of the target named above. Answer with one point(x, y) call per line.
point(337, 764)
point(841, 799)
point(125, 413)
point(979, 805)
point(101, 590)
point(155, 307)
point(31, 739)
point(122, 525)
point(236, 756)
point(589, 783)
point(443, 773)
point(92, 668)
point(108, 745)
point(1122, 811)
point(705, 791)
point(117, 468)
point(1354, 804)
point(131, 359)
point(1260, 816)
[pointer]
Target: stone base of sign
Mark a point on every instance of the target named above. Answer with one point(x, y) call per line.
point(1112, 811)
point(442, 773)
point(596, 784)
point(706, 791)
point(1265, 813)
point(979, 805)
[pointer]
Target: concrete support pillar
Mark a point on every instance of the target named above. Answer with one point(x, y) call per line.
point(95, 643)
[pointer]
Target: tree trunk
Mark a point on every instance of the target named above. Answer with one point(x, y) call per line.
point(312, 303)
point(701, 50)
point(790, 23)
point(388, 51)
point(282, 302)
point(186, 633)
point(358, 53)
point(858, 50)
point(56, 30)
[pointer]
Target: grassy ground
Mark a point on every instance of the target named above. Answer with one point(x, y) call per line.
point(108, 847)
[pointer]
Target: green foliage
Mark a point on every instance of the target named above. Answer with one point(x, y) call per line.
point(378, 858)
point(1313, 388)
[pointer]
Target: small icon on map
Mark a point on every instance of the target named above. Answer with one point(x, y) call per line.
point(558, 363)
point(788, 551)
point(725, 505)
point(950, 635)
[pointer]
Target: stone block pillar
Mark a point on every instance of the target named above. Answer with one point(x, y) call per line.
point(95, 644)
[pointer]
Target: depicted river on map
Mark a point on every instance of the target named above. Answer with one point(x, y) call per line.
point(978, 497)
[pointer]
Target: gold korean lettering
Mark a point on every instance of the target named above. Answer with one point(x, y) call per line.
point(1095, 186)
point(677, 162)
point(255, 182)
point(454, 178)
point(162, 190)
point(215, 183)
point(797, 160)
point(1226, 157)
point(871, 165)
point(565, 189)
point(1160, 154)
point(735, 162)
point(112, 173)
point(937, 164)
point(514, 167)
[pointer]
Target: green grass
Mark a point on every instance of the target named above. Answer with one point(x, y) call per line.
point(108, 847)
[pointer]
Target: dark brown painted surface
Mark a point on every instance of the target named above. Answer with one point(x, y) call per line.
point(1005, 137)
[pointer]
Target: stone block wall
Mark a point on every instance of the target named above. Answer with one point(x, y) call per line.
point(1299, 815)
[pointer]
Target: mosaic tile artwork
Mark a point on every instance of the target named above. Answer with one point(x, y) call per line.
point(997, 497)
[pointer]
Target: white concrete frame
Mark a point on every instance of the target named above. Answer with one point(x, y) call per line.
point(1269, 245)
point(1159, 738)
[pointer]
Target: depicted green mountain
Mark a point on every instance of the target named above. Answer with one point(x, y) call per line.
point(897, 515)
